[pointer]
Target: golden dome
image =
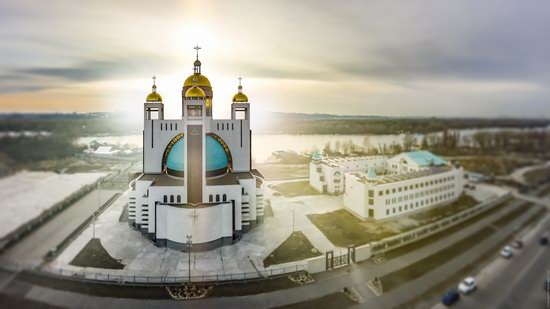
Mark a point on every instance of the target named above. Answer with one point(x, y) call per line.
point(201, 81)
point(240, 98)
point(154, 96)
point(195, 92)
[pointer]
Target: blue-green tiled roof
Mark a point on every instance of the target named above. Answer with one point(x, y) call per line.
point(424, 158)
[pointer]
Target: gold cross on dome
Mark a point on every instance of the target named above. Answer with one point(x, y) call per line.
point(197, 49)
point(240, 79)
point(154, 79)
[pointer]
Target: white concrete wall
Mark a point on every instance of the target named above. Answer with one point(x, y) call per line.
point(315, 177)
point(231, 134)
point(210, 223)
point(153, 153)
point(354, 196)
point(317, 264)
point(363, 253)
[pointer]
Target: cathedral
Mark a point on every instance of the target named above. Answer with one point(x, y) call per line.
point(198, 190)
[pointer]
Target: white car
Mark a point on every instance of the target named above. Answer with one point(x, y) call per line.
point(467, 285)
point(506, 252)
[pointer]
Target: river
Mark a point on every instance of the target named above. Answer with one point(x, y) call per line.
point(263, 145)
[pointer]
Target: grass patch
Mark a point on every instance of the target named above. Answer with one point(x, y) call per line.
point(273, 171)
point(252, 288)
point(491, 165)
point(438, 212)
point(99, 289)
point(397, 278)
point(296, 247)
point(295, 188)
point(444, 234)
point(334, 300)
point(544, 192)
point(537, 175)
point(344, 229)
point(504, 220)
point(94, 255)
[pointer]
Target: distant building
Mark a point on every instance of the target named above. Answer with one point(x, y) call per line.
point(380, 187)
point(197, 178)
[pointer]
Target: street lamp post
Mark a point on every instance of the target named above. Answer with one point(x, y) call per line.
point(293, 220)
point(189, 245)
point(98, 206)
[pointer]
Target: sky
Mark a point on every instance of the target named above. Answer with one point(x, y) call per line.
point(446, 58)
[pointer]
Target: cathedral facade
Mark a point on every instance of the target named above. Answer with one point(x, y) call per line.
point(198, 190)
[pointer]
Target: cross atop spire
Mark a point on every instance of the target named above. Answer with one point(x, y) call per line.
point(154, 80)
point(197, 49)
point(240, 79)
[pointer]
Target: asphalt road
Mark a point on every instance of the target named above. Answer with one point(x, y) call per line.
point(517, 284)
point(32, 248)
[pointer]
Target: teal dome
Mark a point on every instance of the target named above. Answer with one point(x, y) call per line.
point(176, 158)
point(217, 159)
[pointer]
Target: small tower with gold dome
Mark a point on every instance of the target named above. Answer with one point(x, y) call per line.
point(153, 107)
point(240, 108)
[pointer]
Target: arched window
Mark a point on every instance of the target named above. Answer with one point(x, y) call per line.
point(217, 197)
point(179, 198)
point(171, 199)
point(165, 199)
point(224, 198)
point(210, 198)
point(223, 126)
point(242, 191)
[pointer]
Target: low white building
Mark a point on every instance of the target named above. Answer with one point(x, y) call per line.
point(380, 187)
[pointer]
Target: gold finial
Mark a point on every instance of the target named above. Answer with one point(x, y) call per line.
point(197, 49)
point(240, 86)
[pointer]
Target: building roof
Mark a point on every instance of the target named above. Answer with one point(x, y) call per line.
point(381, 180)
point(165, 180)
point(424, 158)
point(225, 180)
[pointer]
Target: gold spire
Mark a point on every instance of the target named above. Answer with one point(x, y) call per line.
point(154, 96)
point(202, 80)
point(240, 97)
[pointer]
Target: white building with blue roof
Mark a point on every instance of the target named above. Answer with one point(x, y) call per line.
point(381, 187)
point(197, 181)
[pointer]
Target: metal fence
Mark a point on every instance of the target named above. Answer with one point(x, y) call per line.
point(95, 277)
point(394, 242)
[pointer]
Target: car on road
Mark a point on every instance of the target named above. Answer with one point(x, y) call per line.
point(450, 297)
point(518, 244)
point(547, 285)
point(468, 285)
point(544, 239)
point(506, 252)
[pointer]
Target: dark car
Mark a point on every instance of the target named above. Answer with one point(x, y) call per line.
point(450, 297)
point(544, 239)
point(547, 285)
point(518, 244)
